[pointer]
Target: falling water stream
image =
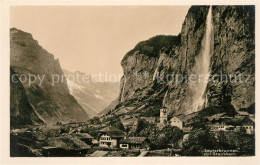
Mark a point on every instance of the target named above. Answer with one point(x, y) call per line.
point(202, 67)
point(123, 90)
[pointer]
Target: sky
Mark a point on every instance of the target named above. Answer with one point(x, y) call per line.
point(94, 39)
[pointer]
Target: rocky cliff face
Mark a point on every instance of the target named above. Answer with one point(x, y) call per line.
point(163, 57)
point(21, 111)
point(45, 100)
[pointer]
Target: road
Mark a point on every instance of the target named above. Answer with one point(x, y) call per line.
point(99, 153)
point(143, 153)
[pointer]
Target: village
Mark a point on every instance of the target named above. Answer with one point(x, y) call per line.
point(134, 135)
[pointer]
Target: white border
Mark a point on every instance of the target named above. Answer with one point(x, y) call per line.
point(5, 93)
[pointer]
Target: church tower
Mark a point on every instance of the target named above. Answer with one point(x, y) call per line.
point(163, 115)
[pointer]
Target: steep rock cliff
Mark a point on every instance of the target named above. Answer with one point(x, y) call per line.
point(232, 54)
point(50, 101)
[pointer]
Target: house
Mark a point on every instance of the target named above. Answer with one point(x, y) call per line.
point(221, 127)
point(185, 137)
point(74, 130)
point(149, 119)
point(175, 121)
point(134, 143)
point(110, 137)
point(186, 129)
point(217, 127)
point(216, 117)
point(127, 117)
point(84, 137)
point(242, 113)
point(94, 125)
point(130, 122)
point(247, 123)
point(75, 124)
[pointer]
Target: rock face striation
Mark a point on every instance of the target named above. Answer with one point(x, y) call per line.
point(156, 71)
point(39, 101)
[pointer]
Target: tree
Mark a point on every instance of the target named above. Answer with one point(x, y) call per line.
point(198, 123)
point(119, 125)
point(245, 142)
point(199, 139)
point(161, 139)
point(95, 120)
point(127, 129)
point(142, 124)
point(223, 142)
point(173, 134)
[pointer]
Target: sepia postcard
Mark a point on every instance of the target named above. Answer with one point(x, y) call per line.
point(113, 82)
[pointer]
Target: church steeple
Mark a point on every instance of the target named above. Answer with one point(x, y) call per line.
point(163, 115)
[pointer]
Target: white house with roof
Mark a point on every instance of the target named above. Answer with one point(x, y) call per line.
point(110, 137)
point(177, 122)
point(134, 143)
point(247, 123)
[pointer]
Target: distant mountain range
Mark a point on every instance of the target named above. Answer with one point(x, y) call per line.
point(92, 96)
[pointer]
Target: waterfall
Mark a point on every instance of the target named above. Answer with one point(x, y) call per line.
point(123, 90)
point(164, 98)
point(202, 67)
point(155, 73)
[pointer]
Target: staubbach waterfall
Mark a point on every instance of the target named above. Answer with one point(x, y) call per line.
point(202, 67)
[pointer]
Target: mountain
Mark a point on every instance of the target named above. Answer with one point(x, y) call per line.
point(93, 96)
point(111, 106)
point(151, 63)
point(44, 99)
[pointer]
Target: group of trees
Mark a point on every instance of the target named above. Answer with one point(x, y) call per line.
point(201, 139)
point(159, 138)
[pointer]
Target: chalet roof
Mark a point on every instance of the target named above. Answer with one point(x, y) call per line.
point(243, 113)
point(219, 124)
point(127, 116)
point(116, 134)
point(113, 132)
point(247, 121)
point(83, 136)
point(181, 119)
point(149, 119)
point(252, 118)
point(129, 121)
point(48, 147)
point(110, 129)
point(133, 140)
point(186, 129)
point(216, 116)
point(186, 117)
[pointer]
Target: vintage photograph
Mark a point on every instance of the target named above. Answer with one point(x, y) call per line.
point(132, 81)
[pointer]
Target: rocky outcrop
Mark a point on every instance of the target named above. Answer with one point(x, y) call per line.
point(234, 54)
point(21, 111)
point(140, 64)
point(45, 100)
point(151, 71)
